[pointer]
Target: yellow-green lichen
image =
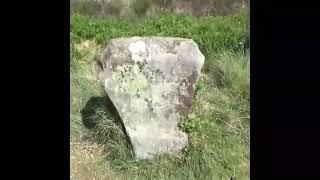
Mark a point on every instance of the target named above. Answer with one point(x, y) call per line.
point(129, 79)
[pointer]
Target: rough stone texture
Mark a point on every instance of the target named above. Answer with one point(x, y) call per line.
point(151, 81)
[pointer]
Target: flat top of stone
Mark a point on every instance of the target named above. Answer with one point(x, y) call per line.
point(162, 38)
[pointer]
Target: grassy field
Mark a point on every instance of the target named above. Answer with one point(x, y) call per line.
point(125, 8)
point(218, 126)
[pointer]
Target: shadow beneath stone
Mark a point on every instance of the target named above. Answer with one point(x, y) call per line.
point(90, 113)
point(95, 111)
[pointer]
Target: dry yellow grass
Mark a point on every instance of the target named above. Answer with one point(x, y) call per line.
point(84, 161)
point(87, 49)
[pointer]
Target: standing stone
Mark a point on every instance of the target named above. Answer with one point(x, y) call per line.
point(151, 81)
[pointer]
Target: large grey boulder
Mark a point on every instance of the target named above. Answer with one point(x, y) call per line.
point(151, 81)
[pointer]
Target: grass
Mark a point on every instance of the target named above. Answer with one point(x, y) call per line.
point(218, 126)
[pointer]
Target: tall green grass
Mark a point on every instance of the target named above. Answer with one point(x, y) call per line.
point(218, 125)
point(212, 33)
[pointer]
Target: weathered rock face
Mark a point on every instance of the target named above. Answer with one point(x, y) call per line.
point(151, 81)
